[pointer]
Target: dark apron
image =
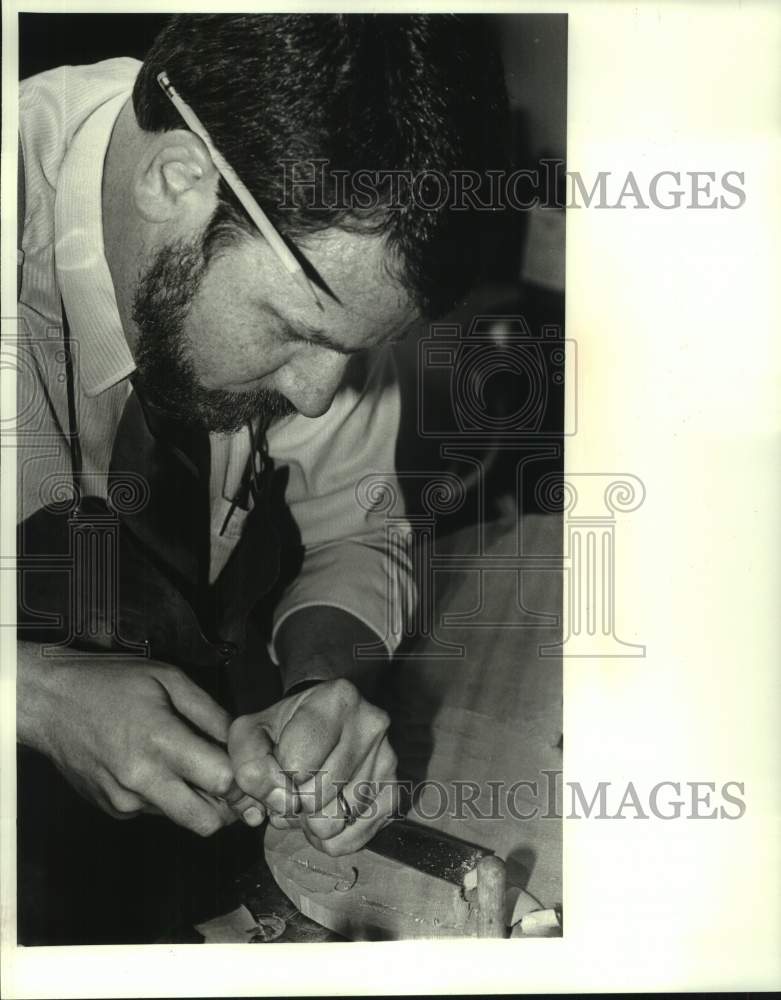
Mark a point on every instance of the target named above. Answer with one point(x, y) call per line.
point(127, 577)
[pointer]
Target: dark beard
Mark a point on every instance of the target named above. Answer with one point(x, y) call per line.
point(160, 307)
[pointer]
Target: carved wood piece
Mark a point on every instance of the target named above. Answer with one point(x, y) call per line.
point(366, 896)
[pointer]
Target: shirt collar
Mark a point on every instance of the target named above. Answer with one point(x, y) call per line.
point(83, 275)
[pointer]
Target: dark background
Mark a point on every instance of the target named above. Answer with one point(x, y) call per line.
point(48, 40)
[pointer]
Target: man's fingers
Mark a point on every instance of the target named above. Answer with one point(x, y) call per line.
point(355, 797)
point(284, 822)
point(335, 800)
point(186, 807)
point(296, 764)
point(230, 814)
point(254, 814)
point(315, 729)
point(203, 765)
point(251, 811)
point(199, 762)
point(307, 741)
point(256, 769)
point(347, 761)
point(357, 834)
point(196, 705)
point(117, 801)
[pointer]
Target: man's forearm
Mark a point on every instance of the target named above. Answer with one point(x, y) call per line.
point(320, 642)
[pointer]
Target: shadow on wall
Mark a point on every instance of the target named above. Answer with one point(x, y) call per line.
point(503, 386)
point(483, 399)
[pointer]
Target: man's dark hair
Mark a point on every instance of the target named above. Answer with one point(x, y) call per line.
point(365, 92)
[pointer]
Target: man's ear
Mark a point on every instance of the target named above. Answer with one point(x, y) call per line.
point(175, 175)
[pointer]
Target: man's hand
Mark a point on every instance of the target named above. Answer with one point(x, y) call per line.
point(132, 738)
point(322, 756)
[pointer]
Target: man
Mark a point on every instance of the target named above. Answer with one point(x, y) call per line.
point(172, 302)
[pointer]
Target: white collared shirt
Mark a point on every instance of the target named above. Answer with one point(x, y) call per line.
point(66, 118)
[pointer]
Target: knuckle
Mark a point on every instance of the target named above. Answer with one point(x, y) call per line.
point(135, 775)
point(389, 760)
point(323, 826)
point(172, 674)
point(243, 732)
point(223, 780)
point(343, 693)
point(207, 825)
point(124, 803)
point(157, 740)
point(379, 719)
point(240, 726)
point(249, 775)
point(332, 849)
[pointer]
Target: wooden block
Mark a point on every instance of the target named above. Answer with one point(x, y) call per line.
point(368, 897)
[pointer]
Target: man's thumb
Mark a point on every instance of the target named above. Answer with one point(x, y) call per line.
point(256, 768)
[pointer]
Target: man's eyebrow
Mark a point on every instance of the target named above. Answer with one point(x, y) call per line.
point(318, 337)
point(303, 331)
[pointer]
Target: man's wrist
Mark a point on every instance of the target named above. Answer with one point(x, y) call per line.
point(320, 642)
point(300, 686)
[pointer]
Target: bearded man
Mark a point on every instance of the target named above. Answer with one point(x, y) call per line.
point(164, 341)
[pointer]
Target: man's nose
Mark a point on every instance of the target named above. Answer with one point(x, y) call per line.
point(311, 383)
